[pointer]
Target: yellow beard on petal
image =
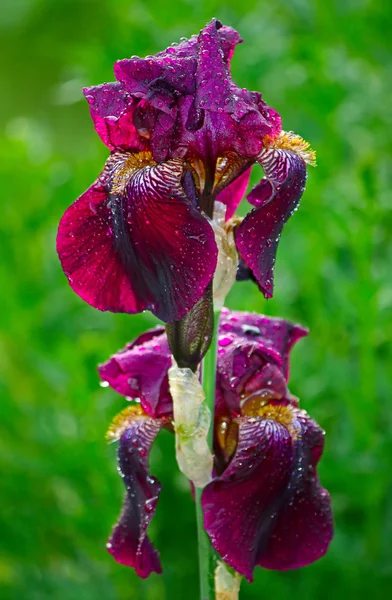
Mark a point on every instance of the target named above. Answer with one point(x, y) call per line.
point(288, 140)
point(123, 420)
point(121, 165)
point(283, 414)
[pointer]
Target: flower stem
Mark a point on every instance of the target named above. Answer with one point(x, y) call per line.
point(206, 555)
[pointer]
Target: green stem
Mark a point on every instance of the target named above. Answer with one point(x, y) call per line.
point(206, 556)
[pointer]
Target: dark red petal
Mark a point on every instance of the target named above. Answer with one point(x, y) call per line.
point(112, 112)
point(239, 504)
point(258, 235)
point(140, 371)
point(232, 195)
point(129, 543)
point(270, 337)
point(145, 247)
point(304, 526)
point(88, 255)
point(247, 342)
point(268, 508)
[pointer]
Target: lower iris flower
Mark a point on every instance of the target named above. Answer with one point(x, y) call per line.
point(264, 504)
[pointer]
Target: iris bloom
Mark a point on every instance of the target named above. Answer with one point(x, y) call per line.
point(181, 135)
point(264, 505)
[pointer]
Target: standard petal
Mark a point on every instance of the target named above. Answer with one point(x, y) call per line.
point(112, 112)
point(247, 343)
point(271, 337)
point(128, 542)
point(278, 196)
point(212, 75)
point(140, 371)
point(267, 508)
point(141, 247)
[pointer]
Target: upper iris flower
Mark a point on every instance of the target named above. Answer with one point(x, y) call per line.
point(182, 134)
point(264, 505)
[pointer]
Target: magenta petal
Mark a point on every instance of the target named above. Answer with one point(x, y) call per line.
point(268, 508)
point(232, 195)
point(144, 248)
point(140, 371)
point(258, 235)
point(112, 112)
point(129, 543)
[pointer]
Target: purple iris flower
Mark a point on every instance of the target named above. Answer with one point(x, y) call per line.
point(264, 505)
point(181, 134)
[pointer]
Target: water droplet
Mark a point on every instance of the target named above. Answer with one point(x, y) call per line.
point(225, 341)
point(104, 384)
point(149, 505)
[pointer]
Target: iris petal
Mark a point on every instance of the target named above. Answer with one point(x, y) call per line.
point(277, 196)
point(143, 246)
point(247, 343)
point(140, 371)
point(232, 195)
point(112, 112)
point(267, 508)
point(128, 542)
point(304, 527)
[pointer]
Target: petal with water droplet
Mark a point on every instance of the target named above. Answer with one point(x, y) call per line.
point(128, 542)
point(276, 197)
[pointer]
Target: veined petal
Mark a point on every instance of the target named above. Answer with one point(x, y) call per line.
point(277, 197)
point(267, 508)
point(133, 241)
point(112, 112)
point(128, 542)
point(140, 371)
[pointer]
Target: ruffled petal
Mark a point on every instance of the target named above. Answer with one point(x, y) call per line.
point(267, 508)
point(141, 247)
point(212, 75)
point(247, 344)
point(128, 542)
point(271, 337)
point(277, 196)
point(139, 371)
point(112, 112)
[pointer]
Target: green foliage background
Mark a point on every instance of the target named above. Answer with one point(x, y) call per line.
point(326, 66)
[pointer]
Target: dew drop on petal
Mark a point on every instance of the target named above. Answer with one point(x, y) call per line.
point(225, 340)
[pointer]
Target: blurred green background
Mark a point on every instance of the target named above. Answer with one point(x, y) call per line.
point(327, 68)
